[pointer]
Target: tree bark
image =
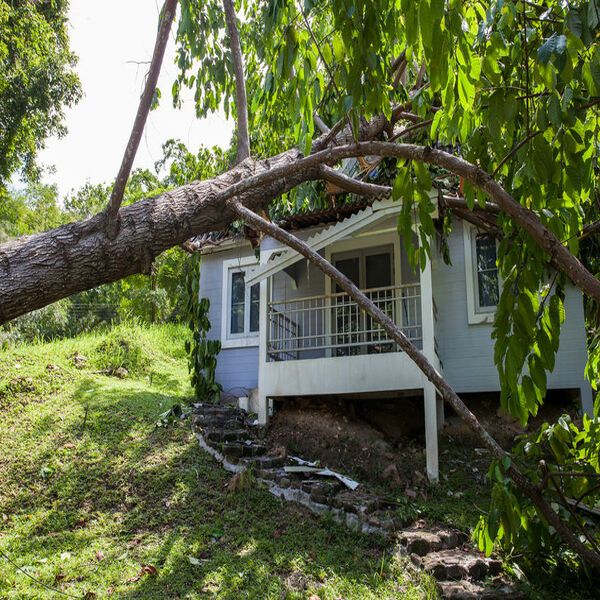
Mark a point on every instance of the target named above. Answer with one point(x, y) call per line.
point(422, 362)
point(243, 138)
point(40, 269)
point(162, 37)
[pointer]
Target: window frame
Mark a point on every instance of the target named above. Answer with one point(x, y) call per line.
point(476, 314)
point(247, 337)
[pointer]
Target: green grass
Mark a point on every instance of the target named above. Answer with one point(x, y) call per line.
point(91, 491)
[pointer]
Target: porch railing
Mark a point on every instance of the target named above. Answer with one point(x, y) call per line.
point(334, 325)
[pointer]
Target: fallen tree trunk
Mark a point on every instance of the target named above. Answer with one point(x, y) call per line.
point(443, 387)
point(40, 269)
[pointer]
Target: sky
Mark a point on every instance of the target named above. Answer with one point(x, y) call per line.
point(111, 38)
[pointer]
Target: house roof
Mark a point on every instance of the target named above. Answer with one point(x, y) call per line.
point(324, 216)
point(297, 221)
point(361, 217)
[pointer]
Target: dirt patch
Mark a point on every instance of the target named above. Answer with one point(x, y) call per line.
point(502, 426)
point(381, 442)
point(345, 442)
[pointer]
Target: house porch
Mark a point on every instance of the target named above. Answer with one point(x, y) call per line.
point(313, 344)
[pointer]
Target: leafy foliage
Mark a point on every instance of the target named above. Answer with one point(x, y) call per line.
point(202, 352)
point(511, 86)
point(566, 471)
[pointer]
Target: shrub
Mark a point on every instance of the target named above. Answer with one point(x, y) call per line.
point(121, 349)
point(46, 324)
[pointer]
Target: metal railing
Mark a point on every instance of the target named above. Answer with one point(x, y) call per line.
point(334, 325)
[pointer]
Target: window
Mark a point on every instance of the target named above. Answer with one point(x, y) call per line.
point(241, 305)
point(483, 287)
point(487, 271)
point(244, 305)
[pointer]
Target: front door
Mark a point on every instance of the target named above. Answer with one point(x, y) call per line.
point(371, 270)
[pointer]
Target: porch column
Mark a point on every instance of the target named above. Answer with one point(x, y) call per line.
point(432, 404)
point(263, 324)
point(431, 431)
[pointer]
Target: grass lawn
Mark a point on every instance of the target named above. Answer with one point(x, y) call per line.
point(97, 500)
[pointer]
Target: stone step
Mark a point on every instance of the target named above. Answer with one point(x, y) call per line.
point(239, 450)
point(275, 474)
point(458, 564)
point(424, 541)
point(218, 422)
point(469, 590)
point(216, 409)
point(227, 435)
point(265, 462)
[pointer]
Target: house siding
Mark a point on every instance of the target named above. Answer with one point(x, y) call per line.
point(237, 368)
point(467, 351)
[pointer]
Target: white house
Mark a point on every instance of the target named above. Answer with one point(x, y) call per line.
point(287, 331)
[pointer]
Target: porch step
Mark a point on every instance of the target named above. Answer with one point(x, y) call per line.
point(265, 462)
point(227, 435)
point(237, 450)
point(223, 422)
point(218, 409)
point(271, 474)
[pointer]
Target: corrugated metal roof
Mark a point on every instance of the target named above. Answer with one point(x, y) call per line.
point(297, 221)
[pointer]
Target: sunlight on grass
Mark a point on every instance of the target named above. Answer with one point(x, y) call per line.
point(95, 498)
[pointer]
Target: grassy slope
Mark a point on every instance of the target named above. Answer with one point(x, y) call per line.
point(83, 509)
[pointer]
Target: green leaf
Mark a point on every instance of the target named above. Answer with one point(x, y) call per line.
point(423, 175)
point(466, 90)
point(573, 22)
point(554, 111)
point(546, 50)
point(402, 187)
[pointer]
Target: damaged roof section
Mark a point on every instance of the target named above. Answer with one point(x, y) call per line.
point(297, 221)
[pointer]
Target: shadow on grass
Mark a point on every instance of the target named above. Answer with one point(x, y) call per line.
point(151, 496)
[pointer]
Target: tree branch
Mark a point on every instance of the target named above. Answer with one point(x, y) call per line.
point(512, 152)
point(320, 123)
point(482, 224)
point(162, 37)
point(461, 204)
point(430, 372)
point(243, 138)
point(524, 217)
point(353, 185)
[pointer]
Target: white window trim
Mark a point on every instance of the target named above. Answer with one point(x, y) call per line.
point(236, 340)
point(476, 315)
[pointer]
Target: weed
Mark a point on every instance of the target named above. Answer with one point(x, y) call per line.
point(120, 350)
